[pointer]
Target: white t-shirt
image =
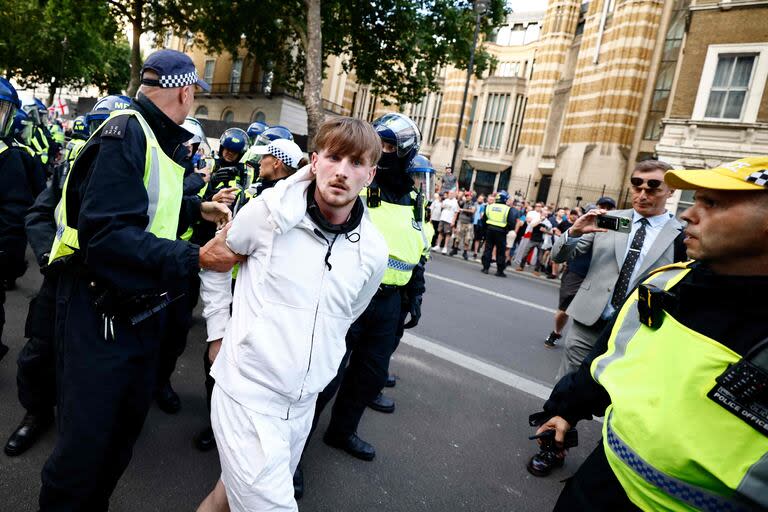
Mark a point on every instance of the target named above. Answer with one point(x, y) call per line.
point(435, 208)
point(450, 207)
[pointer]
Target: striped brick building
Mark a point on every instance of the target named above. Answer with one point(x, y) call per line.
point(595, 67)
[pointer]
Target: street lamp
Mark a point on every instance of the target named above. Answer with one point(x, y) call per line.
point(481, 7)
point(64, 46)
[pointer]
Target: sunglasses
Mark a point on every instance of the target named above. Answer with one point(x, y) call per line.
point(652, 184)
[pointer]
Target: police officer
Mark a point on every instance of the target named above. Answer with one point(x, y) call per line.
point(41, 141)
point(18, 190)
point(498, 222)
point(373, 337)
point(179, 313)
point(681, 372)
point(36, 374)
point(117, 227)
point(79, 136)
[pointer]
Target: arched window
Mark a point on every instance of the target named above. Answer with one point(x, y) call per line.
point(202, 111)
point(228, 116)
point(258, 116)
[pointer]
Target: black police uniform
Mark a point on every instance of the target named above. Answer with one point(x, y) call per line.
point(36, 364)
point(178, 313)
point(21, 182)
point(705, 302)
point(496, 237)
point(106, 372)
point(372, 338)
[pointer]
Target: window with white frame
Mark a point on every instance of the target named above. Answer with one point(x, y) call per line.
point(210, 64)
point(493, 121)
point(234, 76)
point(730, 86)
point(732, 83)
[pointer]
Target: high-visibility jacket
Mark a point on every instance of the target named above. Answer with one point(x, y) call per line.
point(40, 144)
point(73, 149)
point(669, 445)
point(163, 179)
point(496, 215)
point(406, 239)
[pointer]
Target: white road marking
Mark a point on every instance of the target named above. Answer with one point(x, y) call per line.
point(470, 363)
point(491, 293)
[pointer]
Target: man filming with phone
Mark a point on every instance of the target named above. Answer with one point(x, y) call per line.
point(619, 260)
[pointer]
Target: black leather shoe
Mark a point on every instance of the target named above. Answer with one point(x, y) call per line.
point(544, 462)
point(298, 483)
point(382, 404)
point(500, 274)
point(29, 431)
point(204, 440)
point(391, 381)
point(167, 399)
point(351, 444)
point(484, 270)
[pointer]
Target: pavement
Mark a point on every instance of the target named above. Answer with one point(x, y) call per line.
point(468, 377)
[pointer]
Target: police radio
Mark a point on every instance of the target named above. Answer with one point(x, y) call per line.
point(742, 389)
point(374, 196)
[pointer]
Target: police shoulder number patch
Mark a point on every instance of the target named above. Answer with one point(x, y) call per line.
point(115, 127)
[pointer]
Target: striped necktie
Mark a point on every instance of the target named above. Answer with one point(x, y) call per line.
point(622, 283)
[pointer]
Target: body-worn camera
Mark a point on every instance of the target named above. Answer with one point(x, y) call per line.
point(619, 224)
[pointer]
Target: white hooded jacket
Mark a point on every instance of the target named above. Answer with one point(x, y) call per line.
point(296, 296)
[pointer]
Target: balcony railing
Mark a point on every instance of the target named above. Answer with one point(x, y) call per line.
point(238, 88)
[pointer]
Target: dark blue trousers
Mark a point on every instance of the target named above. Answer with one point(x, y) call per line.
point(104, 392)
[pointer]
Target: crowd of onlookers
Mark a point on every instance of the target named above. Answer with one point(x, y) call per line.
point(457, 217)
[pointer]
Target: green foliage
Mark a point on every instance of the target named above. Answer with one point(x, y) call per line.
point(395, 46)
point(31, 48)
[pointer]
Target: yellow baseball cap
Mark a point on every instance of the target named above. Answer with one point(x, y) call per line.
point(745, 174)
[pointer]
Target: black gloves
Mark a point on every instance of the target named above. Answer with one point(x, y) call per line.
point(414, 309)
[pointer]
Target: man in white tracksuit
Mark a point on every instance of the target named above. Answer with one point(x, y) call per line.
point(312, 262)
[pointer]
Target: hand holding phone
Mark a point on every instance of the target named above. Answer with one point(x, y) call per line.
point(620, 224)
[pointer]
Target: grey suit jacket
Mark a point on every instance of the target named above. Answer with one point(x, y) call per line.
point(608, 251)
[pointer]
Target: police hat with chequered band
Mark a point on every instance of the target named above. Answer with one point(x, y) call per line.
point(284, 150)
point(174, 69)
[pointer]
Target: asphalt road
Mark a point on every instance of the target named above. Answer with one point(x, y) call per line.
point(457, 441)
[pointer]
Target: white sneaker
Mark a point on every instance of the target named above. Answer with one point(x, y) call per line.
point(436, 248)
point(445, 250)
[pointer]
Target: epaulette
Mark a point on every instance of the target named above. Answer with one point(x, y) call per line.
point(115, 127)
point(664, 268)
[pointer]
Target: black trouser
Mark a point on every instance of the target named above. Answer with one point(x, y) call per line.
point(179, 321)
point(594, 487)
point(36, 375)
point(435, 225)
point(104, 393)
point(371, 341)
point(2, 313)
point(497, 238)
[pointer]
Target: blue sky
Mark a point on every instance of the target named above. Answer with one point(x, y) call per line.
point(528, 5)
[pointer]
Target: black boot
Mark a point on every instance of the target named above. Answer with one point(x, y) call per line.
point(382, 404)
point(351, 444)
point(544, 462)
point(167, 399)
point(204, 440)
point(27, 433)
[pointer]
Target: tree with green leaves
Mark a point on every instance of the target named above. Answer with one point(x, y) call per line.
point(143, 16)
point(394, 46)
point(62, 43)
